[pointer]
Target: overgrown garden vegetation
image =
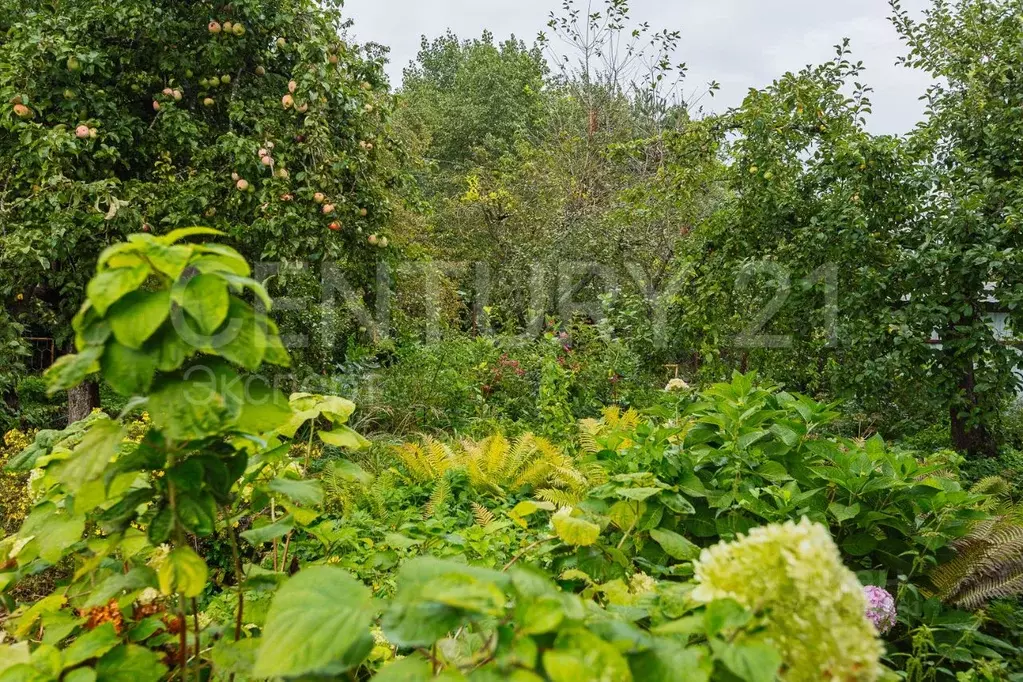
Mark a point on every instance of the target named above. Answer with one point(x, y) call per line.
point(529, 369)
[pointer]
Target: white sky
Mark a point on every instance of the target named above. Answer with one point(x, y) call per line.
point(740, 43)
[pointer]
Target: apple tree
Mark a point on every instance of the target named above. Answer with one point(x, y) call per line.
point(255, 117)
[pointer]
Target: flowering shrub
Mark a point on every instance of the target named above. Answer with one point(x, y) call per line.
point(880, 608)
point(14, 496)
point(813, 606)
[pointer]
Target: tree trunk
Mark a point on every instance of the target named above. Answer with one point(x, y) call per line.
point(975, 441)
point(81, 401)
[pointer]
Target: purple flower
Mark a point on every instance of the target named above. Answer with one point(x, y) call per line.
point(880, 608)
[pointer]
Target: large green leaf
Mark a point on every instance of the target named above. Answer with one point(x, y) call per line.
point(90, 459)
point(174, 236)
point(753, 661)
point(54, 530)
point(580, 656)
point(137, 316)
point(344, 437)
point(315, 619)
point(410, 669)
point(130, 663)
point(271, 531)
point(110, 286)
point(92, 644)
point(170, 260)
point(264, 408)
point(308, 493)
point(183, 572)
point(127, 370)
point(70, 370)
point(676, 546)
point(200, 406)
point(243, 338)
point(13, 654)
point(206, 300)
point(575, 531)
point(670, 661)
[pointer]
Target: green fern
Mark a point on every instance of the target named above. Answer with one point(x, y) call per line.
point(484, 517)
point(561, 498)
point(988, 562)
point(438, 499)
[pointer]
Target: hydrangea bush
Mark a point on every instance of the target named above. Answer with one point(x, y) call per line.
point(880, 608)
point(813, 606)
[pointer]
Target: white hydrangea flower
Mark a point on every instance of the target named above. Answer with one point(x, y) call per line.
point(813, 605)
point(676, 385)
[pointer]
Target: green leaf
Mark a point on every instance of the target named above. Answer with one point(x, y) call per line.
point(183, 572)
point(90, 459)
point(344, 437)
point(541, 616)
point(575, 531)
point(753, 662)
point(264, 408)
point(350, 471)
point(410, 669)
point(130, 664)
point(580, 656)
point(315, 619)
point(80, 675)
point(205, 404)
point(724, 614)
point(92, 644)
point(70, 370)
point(842, 513)
point(308, 493)
point(860, 544)
point(110, 286)
point(25, 623)
point(670, 661)
point(235, 658)
point(117, 584)
point(243, 338)
point(638, 494)
point(137, 316)
point(13, 654)
point(206, 300)
point(174, 236)
point(271, 531)
point(127, 370)
point(239, 283)
point(170, 260)
point(171, 351)
point(220, 258)
point(675, 545)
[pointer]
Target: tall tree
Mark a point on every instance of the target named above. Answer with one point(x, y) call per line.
point(125, 116)
point(964, 252)
point(473, 96)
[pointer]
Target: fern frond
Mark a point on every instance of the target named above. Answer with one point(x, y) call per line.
point(435, 505)
point(612, 416)
point(988, 563)
point(630, 420)
point(417, 461)
point(561, 498)
point(567, 477)
point(484, 517)
point(594, 472)
point(533, 475)
point(992, 485)
point(495, 456)
point(439, 456)
point(519, 455)
point(588, 439)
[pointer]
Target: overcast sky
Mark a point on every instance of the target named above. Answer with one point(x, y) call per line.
point(740, 43)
